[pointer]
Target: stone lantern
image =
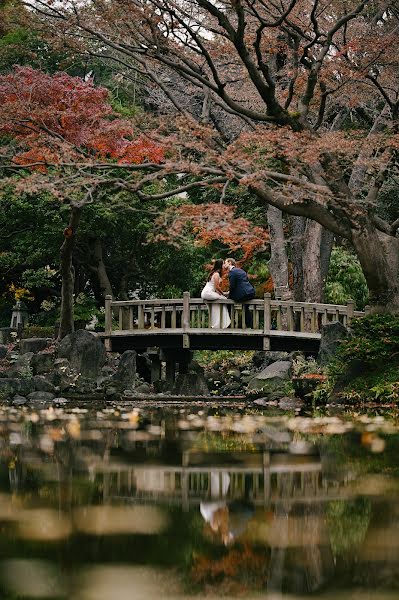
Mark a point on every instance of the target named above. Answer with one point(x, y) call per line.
point(19, 317)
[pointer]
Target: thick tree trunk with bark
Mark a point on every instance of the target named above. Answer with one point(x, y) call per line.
point(278, 263)
point(311, 246)
point(68, 276)
point(312, 282)
point(100, 269)
point(379, 257)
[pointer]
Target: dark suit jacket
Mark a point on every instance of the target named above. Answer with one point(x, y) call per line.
point(240, 288)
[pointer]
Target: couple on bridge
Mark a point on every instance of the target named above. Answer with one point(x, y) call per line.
point(240, 290)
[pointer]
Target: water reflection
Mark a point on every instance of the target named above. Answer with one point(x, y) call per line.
point(125, 502)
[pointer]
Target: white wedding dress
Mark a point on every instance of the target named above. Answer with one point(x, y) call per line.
point(218, 314)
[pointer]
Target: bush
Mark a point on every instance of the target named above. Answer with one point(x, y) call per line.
point(33, 331)
point(345, 279)
point(375, 339)
point(374, 346)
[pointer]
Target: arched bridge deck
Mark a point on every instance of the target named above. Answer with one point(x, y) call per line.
point(184, 323)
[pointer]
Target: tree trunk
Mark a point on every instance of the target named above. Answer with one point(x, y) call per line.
point(378, 254)
point(327, 242)
point(312, 282)
point(278, 263)
point(68, 275)
point(297, 248)
point(307, 256)
point(101, 271)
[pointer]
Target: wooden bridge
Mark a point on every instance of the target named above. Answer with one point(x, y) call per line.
point(184, 324)
point(265, 477)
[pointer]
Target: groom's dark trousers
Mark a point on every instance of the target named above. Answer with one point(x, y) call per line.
point(240, 291)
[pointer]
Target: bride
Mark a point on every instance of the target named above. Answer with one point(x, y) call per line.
point(218, 314)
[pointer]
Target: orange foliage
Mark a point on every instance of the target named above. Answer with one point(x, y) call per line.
point(238, 567)
point(209, 223)
point(59, 116)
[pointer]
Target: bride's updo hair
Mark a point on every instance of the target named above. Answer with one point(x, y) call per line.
point(217, 268)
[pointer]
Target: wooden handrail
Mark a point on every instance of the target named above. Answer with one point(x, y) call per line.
point(190, 314)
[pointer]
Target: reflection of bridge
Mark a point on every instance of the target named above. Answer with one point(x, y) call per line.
point(263, 478)
point(183, 323)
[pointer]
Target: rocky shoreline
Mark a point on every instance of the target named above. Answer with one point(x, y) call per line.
point(42, 372)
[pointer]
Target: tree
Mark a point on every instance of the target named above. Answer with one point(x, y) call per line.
point(208, 223)
point(59, 125)
point(317, 130)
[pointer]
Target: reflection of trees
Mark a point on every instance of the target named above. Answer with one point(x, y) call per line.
point(377, 564)
point(301, 557)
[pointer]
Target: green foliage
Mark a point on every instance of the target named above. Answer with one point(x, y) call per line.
point(33, 331)
point(375, 339)
point(225, 358)
point(374, 346)
point(345, 279)
point(348, 522)
point(303, 366)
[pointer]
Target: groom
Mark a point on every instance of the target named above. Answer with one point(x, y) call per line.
point(240, 288)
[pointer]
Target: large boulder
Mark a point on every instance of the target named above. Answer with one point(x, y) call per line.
point(22, 367)
point(272, 377)
point(190, 384)
point(42, 384)
point(84, 351)
point(332, 335)
point(126, 374)
point(10, 386)
point(42, 362)
point(33, 345)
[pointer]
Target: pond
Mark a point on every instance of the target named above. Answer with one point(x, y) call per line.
point(136, 501)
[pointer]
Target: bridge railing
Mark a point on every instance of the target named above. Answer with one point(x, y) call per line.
point(187, 314)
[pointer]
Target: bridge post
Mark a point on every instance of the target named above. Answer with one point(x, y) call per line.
point(108, 321)
point(186, 311)
point(267, 320)
point(186, 319)
point(350, 309)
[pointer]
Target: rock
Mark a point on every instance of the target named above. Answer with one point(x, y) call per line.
point(22, 367)
point(19, 400)
point(42, 362)
point(234, 374)
point(265, 358)
point(195, 367)
point(331, 336)
point(3, 351)
point(84, 385)
point(111, 391)
point(10, 386)
point(42, 384)
point(143, 366)
point(144, 388)
point(41, 397)
point(190, 384)
point(60, 401)
point(212, 376)
point(232, 387)
point(33, 345)
point(262, 402)
point(107, 371)
point(272, 376)
point(85, 352)
point(126, 373)
point(287, 403)
point(62, 376)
